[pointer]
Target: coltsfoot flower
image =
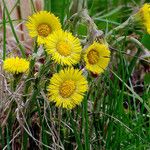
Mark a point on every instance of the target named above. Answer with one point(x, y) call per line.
point(42, 24)
point(143, 16)
point(97, 57)
point(67, 88)
point(16, 65)
point(64, 48)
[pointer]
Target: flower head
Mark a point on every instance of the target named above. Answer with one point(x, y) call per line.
point(16, 65)
point(42, 24)
point(143, 16)
point(64, 48)
point(67, 88)
point(97, 57)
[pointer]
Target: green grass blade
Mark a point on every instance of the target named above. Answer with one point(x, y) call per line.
point(13, 31)
point(4, 34)
point(135, 94)
point(86, 135)
point(47, 5)
point(8, 138)
point(25, 140)
point(77, 137)
point(1, 137)
point(33, 7)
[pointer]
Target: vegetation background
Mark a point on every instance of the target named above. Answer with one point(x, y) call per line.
point(115, 113)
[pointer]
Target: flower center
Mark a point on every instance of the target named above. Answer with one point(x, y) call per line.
point(64, 48)
point(93, 56)
point(44, 30)
point(67, 88)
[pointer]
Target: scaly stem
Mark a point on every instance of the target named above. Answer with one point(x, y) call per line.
point(30, 75)
point(94, 33)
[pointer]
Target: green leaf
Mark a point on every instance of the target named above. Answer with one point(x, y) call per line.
point(147, 78)
point(82, 29)
point(146, 41)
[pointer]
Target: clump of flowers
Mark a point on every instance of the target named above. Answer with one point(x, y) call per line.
point(16, 65)
point(143, 16)
point(67, 88)
point(42, 24)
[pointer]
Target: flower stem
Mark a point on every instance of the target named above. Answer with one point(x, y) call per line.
point(16, 80)
point(30, 75)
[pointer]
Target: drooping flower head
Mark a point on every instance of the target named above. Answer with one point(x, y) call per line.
point(16, 65)
point(97, 57)
point(67, 88)
point(64, 48)
point(143, 16)
point(42, 24)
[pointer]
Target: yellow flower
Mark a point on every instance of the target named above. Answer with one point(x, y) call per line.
point(143, 16)
point(16, 65)
point(97, 57)
point(67, 88)
point(42, 24)
point(64, 48)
